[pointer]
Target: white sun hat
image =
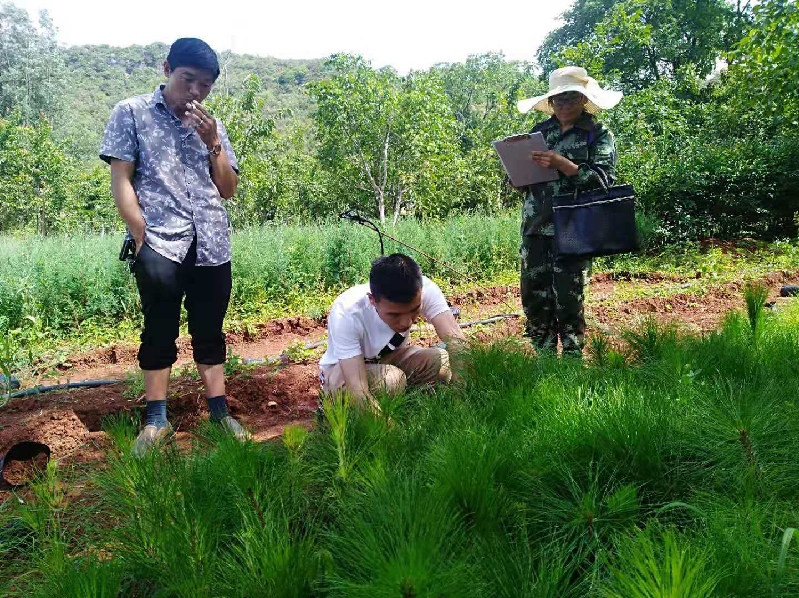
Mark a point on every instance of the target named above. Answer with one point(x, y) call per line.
point(573, 78)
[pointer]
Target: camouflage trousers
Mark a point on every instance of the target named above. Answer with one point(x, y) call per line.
point(552, 295)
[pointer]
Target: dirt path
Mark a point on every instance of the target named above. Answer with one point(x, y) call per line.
point(267, 398)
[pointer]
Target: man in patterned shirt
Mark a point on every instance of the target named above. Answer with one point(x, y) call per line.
point(552, 290)
point(171, 167)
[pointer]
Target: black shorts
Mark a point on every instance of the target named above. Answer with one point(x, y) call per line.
point(162, 285)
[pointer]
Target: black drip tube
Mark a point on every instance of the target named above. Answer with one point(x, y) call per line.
point(36, 390)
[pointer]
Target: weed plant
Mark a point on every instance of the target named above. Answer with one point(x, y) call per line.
point(668, 471)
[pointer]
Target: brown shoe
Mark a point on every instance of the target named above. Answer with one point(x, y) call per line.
point(150, 438)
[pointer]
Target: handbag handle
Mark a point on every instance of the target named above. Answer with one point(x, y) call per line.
point(600, 174)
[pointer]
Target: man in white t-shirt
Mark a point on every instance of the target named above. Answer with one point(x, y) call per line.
point(368, 326)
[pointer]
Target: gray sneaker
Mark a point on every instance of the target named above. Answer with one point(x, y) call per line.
point(235, 428)
point(150, 438)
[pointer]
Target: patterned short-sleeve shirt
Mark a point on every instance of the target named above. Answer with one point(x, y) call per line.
point(173, 183)
point(588, 142)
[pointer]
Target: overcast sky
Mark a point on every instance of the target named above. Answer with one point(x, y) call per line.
point(407, 34)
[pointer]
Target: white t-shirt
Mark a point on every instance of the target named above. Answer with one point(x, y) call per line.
point(354, 328)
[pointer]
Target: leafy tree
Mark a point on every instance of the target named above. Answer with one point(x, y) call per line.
point(379, 132)
point(766, 62)
point(251, 133)
point(636, 42)
point(579, 23)
point(483, 92)
point(246, 122)
point(34, 175)
point(31, 65)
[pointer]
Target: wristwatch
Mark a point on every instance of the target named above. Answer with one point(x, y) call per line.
point(217, 149)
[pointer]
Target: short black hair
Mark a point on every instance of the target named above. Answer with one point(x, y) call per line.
point(395, 277)
point(191, 51)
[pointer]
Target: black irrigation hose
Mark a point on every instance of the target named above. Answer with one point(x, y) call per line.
point(351, 214)
point(490, 320)
point(42, 389)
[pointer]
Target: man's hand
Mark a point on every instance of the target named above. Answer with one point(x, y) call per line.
point(451, 333)
point(203, 123)
point(222, 173)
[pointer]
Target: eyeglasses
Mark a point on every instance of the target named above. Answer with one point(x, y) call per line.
point(569, 97)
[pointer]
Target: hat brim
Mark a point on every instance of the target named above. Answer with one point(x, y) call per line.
point(597, 100)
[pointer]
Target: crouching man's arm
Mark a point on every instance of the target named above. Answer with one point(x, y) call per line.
point(361, 380)
point(356, 381)
point(449, 332)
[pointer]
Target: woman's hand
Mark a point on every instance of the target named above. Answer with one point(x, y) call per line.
point(550, 159)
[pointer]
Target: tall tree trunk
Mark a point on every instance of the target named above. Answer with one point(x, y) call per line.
point(384, 178)
point(397, 207)
point(381, 205)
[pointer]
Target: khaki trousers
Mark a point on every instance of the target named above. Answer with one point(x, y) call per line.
point(406, 366)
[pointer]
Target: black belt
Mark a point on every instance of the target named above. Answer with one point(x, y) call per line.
point(392, 345)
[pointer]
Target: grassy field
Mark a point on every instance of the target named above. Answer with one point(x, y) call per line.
point(64, 291)
point(666, 470)
point(59, 295)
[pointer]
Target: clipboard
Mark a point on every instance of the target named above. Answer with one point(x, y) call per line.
point(514, 153)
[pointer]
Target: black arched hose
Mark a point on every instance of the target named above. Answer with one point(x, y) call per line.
point(352, 215)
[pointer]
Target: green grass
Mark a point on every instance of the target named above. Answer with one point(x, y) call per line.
point(59, 295)
point(667, 470)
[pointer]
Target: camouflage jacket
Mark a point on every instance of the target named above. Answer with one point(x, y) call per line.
point(587, 142)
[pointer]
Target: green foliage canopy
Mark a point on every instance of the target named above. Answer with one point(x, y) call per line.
point(382, 133)
point(31, 66)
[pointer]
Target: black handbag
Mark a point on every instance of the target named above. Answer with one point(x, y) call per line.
point(596, 222)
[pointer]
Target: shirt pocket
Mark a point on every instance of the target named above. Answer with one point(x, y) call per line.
point(578, 155)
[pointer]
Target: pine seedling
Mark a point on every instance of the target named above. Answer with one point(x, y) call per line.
point(398, 540)
point(336, 408)
point(656, 563)
point(755, 297)
point(121, 428)
point(585, 512)
point(651, 340)
point(86, 577)
point(467, 471)
point(787, 536)
point(266, 558)
point(599, 349)
point(518, 567)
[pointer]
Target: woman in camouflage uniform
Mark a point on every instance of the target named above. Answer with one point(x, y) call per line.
point(552, 290)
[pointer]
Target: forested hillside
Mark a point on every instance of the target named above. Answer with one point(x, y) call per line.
point(708, 130)
point(97, 77)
